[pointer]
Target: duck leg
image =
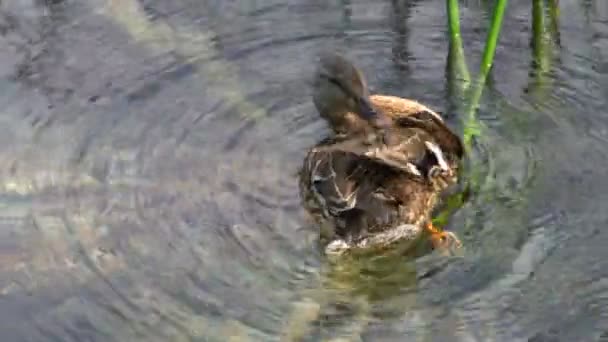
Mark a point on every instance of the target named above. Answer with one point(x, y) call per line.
point(443, 240)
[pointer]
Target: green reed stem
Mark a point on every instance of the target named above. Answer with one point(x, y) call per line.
point(554, 16)
point(492, 39)
point(544, 42)
point(539, 41)
point(456, 46)
point(472, 126)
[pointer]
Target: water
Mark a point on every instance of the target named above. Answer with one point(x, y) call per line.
point(149, 155)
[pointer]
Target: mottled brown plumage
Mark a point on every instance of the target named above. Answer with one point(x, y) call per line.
point(377, 179)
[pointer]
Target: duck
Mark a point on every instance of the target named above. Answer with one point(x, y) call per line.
point(374, 182)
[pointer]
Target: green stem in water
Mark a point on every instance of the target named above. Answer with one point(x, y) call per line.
point(472, 127)
point(554, 16)
point(456, 46)
point(492, 39)
point(544, 42)
point(539, 41)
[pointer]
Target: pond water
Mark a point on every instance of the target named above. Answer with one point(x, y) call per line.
point(148, 174)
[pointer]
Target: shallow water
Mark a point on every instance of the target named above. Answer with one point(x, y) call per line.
point(148, 179)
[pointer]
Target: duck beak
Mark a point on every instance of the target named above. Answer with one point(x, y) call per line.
point(367, 112)
point(377, 119)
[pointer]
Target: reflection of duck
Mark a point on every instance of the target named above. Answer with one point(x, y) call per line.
point(377, 180)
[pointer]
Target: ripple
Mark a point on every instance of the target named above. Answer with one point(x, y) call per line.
point(149, 191)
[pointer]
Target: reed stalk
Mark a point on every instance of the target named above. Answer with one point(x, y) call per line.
point(472, 126)
point(456, 46)
point(554, 17)
point(539, 40)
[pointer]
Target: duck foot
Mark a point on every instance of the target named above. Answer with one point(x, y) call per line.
point(443, 240)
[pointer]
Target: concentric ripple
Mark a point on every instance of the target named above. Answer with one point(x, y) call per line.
point(148, 182)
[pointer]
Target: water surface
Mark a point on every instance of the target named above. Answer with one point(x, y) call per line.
point(148, 181)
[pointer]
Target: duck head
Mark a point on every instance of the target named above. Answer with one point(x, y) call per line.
point(341, 96)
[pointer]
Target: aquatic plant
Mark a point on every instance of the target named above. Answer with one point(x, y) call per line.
point(471, 125)
point(460, 80)
point(543, 36)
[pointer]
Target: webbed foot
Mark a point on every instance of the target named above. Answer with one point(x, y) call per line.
point(443, 240)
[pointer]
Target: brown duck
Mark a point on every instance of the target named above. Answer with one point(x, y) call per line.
point(375, 182)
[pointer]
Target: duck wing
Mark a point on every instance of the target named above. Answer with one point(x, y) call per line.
point(359, 194)
point(436, 128)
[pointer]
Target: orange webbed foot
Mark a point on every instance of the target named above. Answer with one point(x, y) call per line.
point(443, 240)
